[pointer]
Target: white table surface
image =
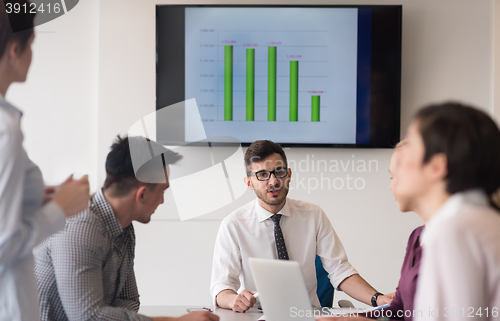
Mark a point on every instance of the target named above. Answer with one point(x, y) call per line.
point(177, 311)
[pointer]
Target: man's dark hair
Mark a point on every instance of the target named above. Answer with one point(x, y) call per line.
point(261, 149)
point(469, 138)
point(15, 26)
point(121, 178)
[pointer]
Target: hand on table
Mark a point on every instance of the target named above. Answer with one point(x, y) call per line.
point(199, 316)
point(193, 316)
point(243, 301)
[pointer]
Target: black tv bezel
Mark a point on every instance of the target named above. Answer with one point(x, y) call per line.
point(392, 134)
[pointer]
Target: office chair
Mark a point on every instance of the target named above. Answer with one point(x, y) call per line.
point(325, 288)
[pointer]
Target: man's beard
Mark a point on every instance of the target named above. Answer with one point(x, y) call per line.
point(263, 196)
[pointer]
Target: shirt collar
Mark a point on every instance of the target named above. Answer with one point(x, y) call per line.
point(10, 108)
point(100, 205)
point(453, 205)
point(263, 214)
point(455, 202)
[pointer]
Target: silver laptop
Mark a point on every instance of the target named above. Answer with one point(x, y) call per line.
point(282, 290)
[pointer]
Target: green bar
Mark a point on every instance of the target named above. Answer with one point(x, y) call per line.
point(314, 108)
point(271, 84)
point(228, 82)
point(294, 90)
point(250, 84)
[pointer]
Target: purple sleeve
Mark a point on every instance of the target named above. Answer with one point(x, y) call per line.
point(405, 292)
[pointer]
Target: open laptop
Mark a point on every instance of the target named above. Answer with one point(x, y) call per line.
point(282, 290)
point(283, 293)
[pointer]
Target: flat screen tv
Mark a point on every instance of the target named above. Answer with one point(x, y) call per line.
point(301, 76)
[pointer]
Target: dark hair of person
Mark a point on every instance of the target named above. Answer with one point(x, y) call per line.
point(469, 138)
point(261, 149)
point(15, 26)
point(120, 176)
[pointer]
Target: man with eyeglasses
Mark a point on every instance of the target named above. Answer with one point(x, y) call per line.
point(276, 227)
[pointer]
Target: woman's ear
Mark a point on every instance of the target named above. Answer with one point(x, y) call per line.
point(438, 167)
point(13, 52)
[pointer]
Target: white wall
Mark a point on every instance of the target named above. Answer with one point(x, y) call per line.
point(59, 98)
point(447, 53)
point(93, 76)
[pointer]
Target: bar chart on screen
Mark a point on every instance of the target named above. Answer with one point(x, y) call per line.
point(256, 75)
point(251, 86)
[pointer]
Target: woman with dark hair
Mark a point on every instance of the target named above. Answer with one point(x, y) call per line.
point(28, 212)
point(448, 169)
point(403, 298)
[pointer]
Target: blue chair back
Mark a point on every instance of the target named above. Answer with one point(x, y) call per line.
point(325, 288)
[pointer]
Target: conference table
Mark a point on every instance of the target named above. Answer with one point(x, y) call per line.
point(228, 315)
point(225, 315)
point(176, 311)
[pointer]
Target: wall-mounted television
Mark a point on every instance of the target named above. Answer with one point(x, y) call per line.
point(305, 76)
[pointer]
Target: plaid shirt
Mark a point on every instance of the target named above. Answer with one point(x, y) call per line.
point(86, 272)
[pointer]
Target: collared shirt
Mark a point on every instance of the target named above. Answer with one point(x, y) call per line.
point(24, 222)
point(86, 272)
point(460, 270)
point(249, 232)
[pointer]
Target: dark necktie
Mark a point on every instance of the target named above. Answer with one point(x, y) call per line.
point(278, 236)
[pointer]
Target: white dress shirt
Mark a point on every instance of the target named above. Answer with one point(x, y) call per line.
point(249, 232)
point(24, 222)
point(460, 270)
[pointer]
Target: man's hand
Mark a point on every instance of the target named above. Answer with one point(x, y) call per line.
point(385, 299)
point(243, 301)
point(193, 316)
point(49, 194)
point(199, 316)
point(73, 195)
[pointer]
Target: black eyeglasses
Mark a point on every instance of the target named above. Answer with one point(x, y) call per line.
point(266, 175)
